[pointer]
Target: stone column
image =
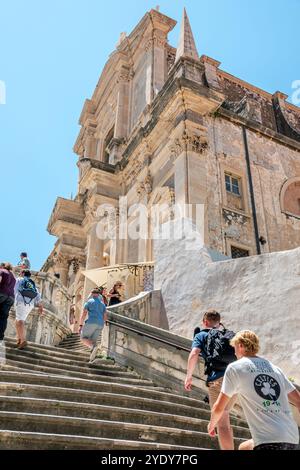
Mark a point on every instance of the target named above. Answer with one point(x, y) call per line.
point(190, 179)
point(155, 48)
point(121, 127)
point(122, 115)
point(90, 147)
point(94, 257)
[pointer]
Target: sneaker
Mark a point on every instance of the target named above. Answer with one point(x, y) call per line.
point(94, 353)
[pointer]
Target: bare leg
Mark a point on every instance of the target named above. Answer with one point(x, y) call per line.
point(20, 327)
point(225, 434)
point(17, 330)
point(88, 342)
point(247, 445)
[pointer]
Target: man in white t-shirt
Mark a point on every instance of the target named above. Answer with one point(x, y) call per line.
point(24, 305)
point(264, 393)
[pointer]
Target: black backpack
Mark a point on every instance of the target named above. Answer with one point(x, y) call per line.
point(28, 290)
point(219, 352)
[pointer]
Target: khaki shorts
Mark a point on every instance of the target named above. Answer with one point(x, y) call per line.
point(91, 331)
point(214, 389)
point(23, 310)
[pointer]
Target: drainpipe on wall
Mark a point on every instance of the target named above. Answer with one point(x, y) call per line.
point(250, 181)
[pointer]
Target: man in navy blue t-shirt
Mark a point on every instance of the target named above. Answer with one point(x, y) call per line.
point(211, 319)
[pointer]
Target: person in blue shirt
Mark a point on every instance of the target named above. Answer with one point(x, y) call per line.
point(24, 262)
point(211, 319)
point(95, 311)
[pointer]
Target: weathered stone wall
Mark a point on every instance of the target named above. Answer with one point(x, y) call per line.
point(272, 164)
point(53, 325)
point(261, 293)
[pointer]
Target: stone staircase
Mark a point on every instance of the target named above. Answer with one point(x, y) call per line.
point(73, 343)
point(51, 398)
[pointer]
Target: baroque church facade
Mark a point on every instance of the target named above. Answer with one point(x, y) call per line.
point(165, 126)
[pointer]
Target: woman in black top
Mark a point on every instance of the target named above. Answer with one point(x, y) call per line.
point(115, 295)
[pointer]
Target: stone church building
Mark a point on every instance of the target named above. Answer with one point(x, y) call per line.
point(165, 126)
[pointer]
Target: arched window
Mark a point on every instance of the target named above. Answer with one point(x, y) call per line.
point(107, 141)
point(290, 197)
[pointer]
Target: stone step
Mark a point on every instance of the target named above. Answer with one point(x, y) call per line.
point(107, 399)
point(43, 423)
point(75, 346)
point(135, 390)
point(21, 365)
point(51, 349)
point(101, 369)
point(31, 353)
point(102, 398)
point(71, 339)
point(110, 413)
point(64, 355)
point(16, 440)
point(70, 342)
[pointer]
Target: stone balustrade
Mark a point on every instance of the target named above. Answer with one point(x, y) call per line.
point(54, 325)
point(146, 307)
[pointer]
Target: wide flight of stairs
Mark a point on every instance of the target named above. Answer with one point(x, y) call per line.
point(52, 398)
point(73, 343)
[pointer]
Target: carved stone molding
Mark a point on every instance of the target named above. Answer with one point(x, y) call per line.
point(191, 142)
point(75, 263)
point(176, 148)
point(125, 75)
point(156, 40)
point(231, 217)
point(84, 165)
point(145, 186)
point(134, 168)
point(195, 143)
point(90, 131)
point(60, 260)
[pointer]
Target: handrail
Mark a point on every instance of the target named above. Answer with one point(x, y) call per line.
point(148, 335)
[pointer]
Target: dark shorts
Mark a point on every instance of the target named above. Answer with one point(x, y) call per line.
point(276, 446)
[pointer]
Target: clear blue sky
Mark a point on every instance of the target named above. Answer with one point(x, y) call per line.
point(52, 53)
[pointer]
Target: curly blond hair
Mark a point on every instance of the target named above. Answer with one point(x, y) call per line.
point(248, 339)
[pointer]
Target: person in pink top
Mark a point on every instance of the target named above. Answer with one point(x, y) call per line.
point(7, 295)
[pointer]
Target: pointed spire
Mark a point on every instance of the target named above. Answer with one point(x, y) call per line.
point(186, 46)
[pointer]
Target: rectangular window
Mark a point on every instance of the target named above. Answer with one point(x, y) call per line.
point(233, 184)
point(237, 252)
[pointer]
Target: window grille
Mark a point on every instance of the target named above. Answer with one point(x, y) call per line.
point(237, 252)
